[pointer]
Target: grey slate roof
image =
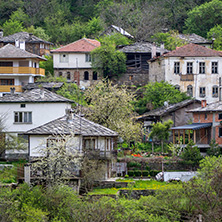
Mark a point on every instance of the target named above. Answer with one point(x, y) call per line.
point(212, 107)
point(165, 110)
point(194, 38)
point(34, 96)
point(77, 125)
point(193, 126)
point(46, 85)
point(28, 37)
point(140, 47)
point(10, 51)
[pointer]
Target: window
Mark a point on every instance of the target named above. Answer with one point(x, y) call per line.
point(23, 117)
point(215, 91)
point(202, 67)
point(22, 105)
point(131, 77)
point(7, 82)
point(41, 45)
point(214, 67)
point(177, 87)
point(220, 132)
point(60, 74)
point(190, 90)
point(88, 58)
point(89, 144)
point(176, 67)
point(220, 116)
point(189, 68)
point(68, 76)
point(95, 76)
point(6, 64)
point(64, 58)
point(202, 92)
point(86, 75)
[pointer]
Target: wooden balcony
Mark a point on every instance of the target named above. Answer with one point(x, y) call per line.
point(22, 70)
point(187, 77)
point(6, 88)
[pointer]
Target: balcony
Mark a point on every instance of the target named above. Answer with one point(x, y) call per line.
point(6, 88)
point(187, 77)
point(22, 70)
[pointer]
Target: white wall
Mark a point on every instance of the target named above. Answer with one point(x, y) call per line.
point(75, 60)
point(207, 80)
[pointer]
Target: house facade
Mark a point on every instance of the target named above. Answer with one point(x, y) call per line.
point(87, 138)
point(21, 112)
point(18, 68)
point(191, 68)
point(73, 62)
point(26, 41)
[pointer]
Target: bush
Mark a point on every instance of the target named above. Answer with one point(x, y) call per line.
point(137, 173)
point(145, 173)
point(153, 173)
point(134, 164)
point(130, 173)
point(126, 176)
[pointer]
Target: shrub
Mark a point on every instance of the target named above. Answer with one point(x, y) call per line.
point(133, 164)
point(137, 173)
point(126, 176)
point(145, 173)
point(153, 173)
point(130, 173)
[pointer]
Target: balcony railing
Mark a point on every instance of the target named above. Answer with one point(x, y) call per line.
point(22, 70)
point(187, 77)
point(6, 88)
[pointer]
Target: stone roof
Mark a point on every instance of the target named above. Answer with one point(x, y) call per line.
point(212, 107)
point(140, 47)
point(28, 37)
point(10, 51)
point(46, 85)
point(193, 50)
point(34, 96)
point(77, 125)
point(162, 111)
point(194, 38)
point(81, 45)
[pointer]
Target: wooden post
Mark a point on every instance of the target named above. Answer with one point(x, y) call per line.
point(178, 136)
point(173, 136)
point(194, 136)
point(183, 136)
point(189, 136)
point(152, 147)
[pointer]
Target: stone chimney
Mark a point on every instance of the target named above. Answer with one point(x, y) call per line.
point(12, 90)
point(203, 103)
point(153, 50)
point(1, 33)
point(30, 35)
point(162, 48)
point(42, 93)
point(69, 115)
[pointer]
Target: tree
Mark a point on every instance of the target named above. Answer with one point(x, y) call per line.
point(157, 93)
point(216, 33)
point(160, 131)
point(108, 61)
point(111, 106)
point(204, 17)
point(12, 26)
point(47, 65)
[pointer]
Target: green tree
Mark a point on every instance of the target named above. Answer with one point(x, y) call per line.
point(111, 106)
point(12, 26)
point(107, 60)
point(216, 32)
point(39, 32)
point(204, 17)
point(47, 65)
point(157, 93)
point(160, 131)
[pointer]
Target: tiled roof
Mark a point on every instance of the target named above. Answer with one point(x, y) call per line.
point(194, 38)
point(10, 51)
point(191, 50)
point(82, 45)
point(28, 37)
point(47, 85)
point(212, 107)
point(77, 125)
point(34, 96)
point(140, 47)
point(162, 111)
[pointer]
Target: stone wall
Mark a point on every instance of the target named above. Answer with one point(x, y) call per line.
point(111, 184)
point(157, 71)
point(135, 194)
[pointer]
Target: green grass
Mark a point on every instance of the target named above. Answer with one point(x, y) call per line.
point(139, 185)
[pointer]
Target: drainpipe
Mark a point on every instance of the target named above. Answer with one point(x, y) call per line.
point(219, 88)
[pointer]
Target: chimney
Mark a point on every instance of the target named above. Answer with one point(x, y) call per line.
point(12, 90)
point(203, 103)
point(42, 93)
point(68, 115)
point(153, 50)
point(1, 33)
point(30, 35)
point(162, 48)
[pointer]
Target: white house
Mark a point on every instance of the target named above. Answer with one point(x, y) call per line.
point(87, 137)
point(17, 68)
point(21, 112)
point(73, 62)
point(191, 68)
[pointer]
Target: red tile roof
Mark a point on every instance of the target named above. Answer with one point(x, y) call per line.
point(81, 45)
point(192, 50)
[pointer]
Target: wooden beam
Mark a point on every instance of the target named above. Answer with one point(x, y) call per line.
point(178, 136)
point(194, 136)
point(189, 136)
point(173, 136)
point(184, 136)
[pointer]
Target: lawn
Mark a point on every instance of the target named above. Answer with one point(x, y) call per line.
point(139, 185)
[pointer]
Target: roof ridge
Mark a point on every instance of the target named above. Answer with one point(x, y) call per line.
point(87, 40)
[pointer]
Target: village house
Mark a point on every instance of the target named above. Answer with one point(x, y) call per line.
point(89, 138)
point(26, 41)
point(73, 62)
point(22, 112)
point(206, 126)
point(191, 68)
point(17, 68)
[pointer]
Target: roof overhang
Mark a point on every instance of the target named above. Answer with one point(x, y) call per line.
point(193, 126)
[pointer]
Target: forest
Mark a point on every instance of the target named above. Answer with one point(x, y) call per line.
point(65, 21)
